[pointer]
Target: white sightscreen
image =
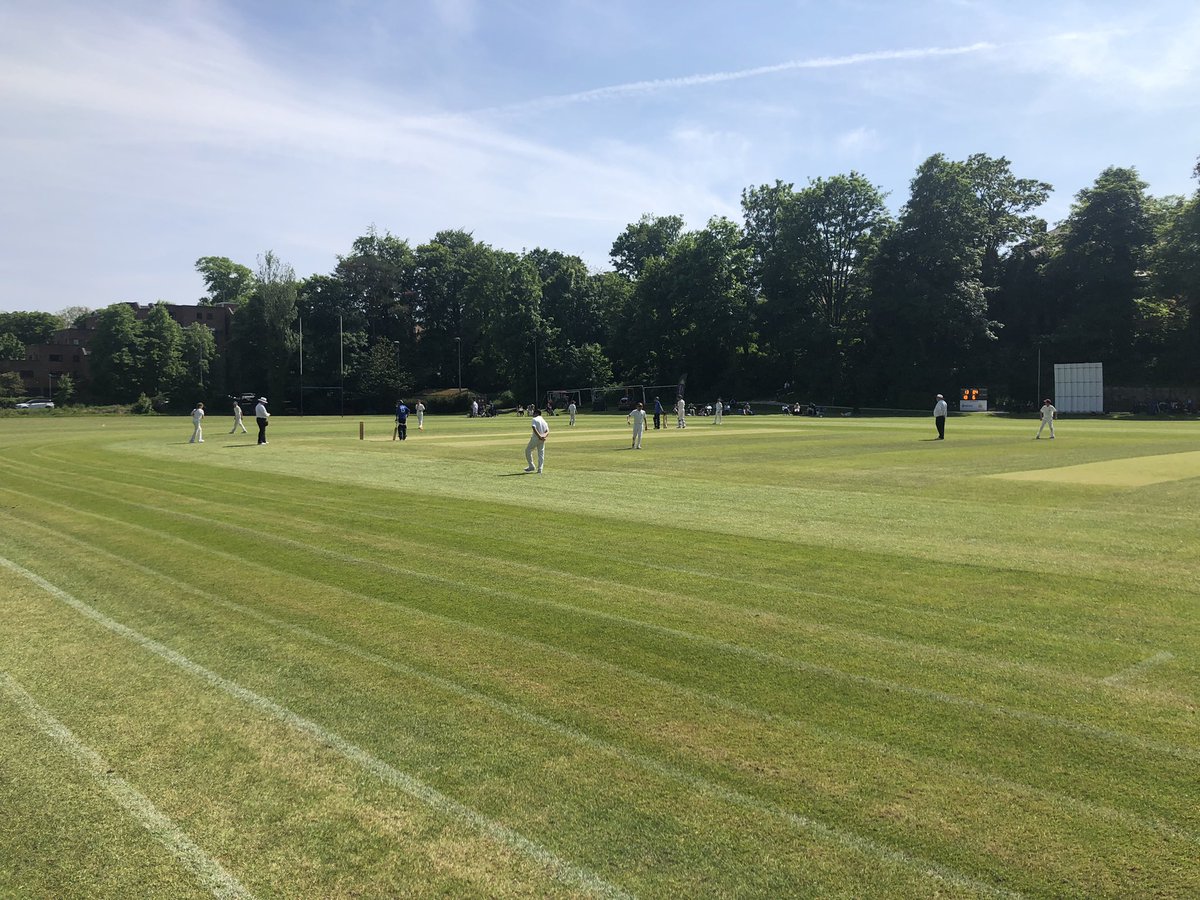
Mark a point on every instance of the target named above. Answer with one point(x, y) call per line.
point(1079, 387)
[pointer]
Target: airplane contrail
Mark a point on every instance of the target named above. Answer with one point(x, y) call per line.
point(686, 81)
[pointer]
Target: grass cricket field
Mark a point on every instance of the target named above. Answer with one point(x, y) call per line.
point(775, 658)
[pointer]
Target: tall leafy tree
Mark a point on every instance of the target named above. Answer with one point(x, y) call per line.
point(690, 310)
point(265, 339)
point(29, 327)
point(377, 281)
point(72, 316)
point(929, 317)
point(382, 376)
point(226, 281)
point(161, 362)
point(518, 347)
point(454, 277)
point(11, 385)
point(196, 376)
point(11, 347)
point(818, 267)
point(576, 306)
point(1099, 270)
point(651, 237)
point(1007, 203)
point(325, 320)
point(1176, 266)
point(64, 389)
point(116, 355)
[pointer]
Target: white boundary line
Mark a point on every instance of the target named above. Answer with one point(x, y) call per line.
point(210, 873)
point(431, 797)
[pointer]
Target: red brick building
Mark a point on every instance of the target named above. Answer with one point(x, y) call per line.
point(68, 352)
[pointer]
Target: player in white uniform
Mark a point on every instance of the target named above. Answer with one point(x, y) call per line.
point(420, 408)
point(571, 410)
point(237, 418)
point(197, 432)
point(718, 412)
point(638, 417)
point(680, 414)
point(1049, 414)
point(537, 441)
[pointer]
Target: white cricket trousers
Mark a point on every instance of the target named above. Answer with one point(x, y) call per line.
point(637, 437)
point(237, 423)
point(1043, 424)
point(197, 435)
point(540, 446)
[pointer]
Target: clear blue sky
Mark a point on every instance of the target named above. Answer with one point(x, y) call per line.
point(136, 137)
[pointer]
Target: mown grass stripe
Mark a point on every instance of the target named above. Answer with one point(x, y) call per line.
point(1119, 678)
point(743, 585)
point(561, 869)
point(840, 836)
point(974, 658)
point(742, 581)
point(207, 871)
point(933, 764)
point(1094, 732)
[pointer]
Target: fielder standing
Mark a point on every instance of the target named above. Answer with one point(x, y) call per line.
point(537, 441)
point(939, 417)
point(1049, 414)
point(197, 432)
point(638, 417)
point(680, 414)
point(571, 410)
point(718, 412)
point(420, 408)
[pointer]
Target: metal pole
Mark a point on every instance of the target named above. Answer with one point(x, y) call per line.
point(536, 401)
point(1039, 378)
point(341, 368)
point(302, 365)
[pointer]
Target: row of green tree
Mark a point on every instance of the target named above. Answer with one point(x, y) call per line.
point(818, 293)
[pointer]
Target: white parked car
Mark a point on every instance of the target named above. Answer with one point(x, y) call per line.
point(36, 404)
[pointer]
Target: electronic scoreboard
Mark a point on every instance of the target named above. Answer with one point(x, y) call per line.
point(972, 399)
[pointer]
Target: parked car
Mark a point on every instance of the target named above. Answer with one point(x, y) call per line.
point(36, 403)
